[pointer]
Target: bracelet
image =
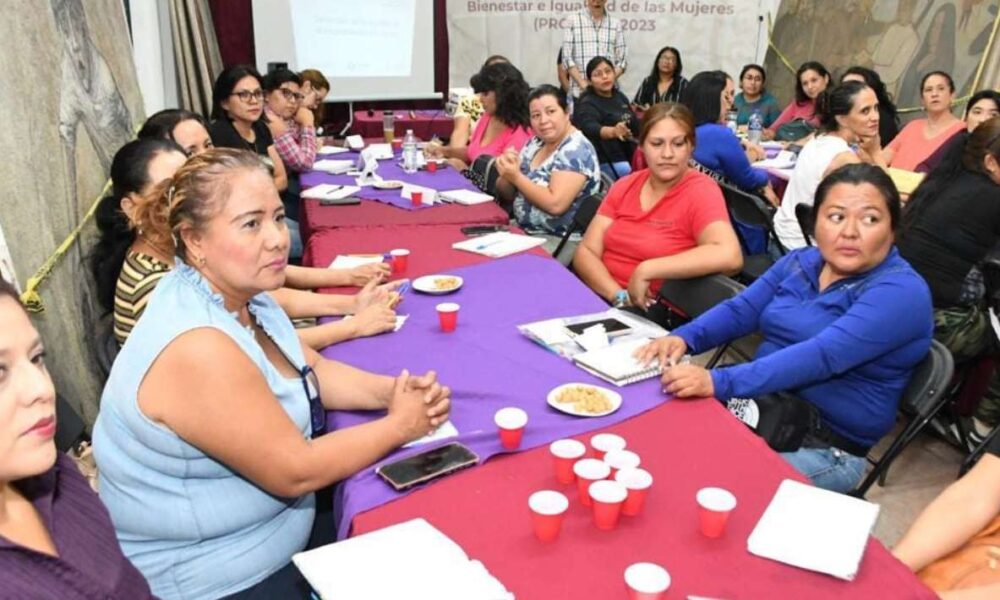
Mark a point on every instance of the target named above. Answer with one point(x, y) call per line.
point(621, 299)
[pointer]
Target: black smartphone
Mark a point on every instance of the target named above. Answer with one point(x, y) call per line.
point(410, 471)
point(611, 326)
point(477, 230)
point(340, 201)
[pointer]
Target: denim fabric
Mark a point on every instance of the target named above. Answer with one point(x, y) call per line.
point(828, 468)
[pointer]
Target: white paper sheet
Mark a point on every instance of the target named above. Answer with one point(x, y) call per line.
point(330, 191)
point(411, 560)
point(332, 150)
point(333, 166)
point(430, 194)
point(465, 197)
point(445, 431)
point(499, 244)
point(814, 529)
point(349, 261)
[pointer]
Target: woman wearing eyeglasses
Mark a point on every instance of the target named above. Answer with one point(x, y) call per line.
point(209, 440)
point(237, 107)
point(290, 122)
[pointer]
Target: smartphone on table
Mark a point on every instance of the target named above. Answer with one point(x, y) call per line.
point(419, 468)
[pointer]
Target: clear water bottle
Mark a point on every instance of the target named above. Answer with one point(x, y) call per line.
point(409, 152)
point(755, 127)
point(731, 120)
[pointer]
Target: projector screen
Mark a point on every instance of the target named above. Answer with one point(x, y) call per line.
point(369, 50)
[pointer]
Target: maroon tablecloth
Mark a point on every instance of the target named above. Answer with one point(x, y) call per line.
point(686, 445)
point(315, 218)
point(424, 123)
point(429, 246)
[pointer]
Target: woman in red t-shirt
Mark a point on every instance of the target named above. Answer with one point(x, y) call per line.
point(667, 221)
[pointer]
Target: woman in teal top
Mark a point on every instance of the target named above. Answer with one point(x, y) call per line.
point(754, 98)
point(209, 440)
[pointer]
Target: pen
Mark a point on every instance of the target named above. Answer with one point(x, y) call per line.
point(403, 288)
point(484, 246)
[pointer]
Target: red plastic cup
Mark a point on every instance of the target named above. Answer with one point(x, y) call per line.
point(547, 511)
point(564, 454)
point(715, 506)
point(587, 471)
point(400, 259)
point(637, 482)
point(647, 581)
point(432, 166)
point(397, 144)
point(621, 459)
point(511, 422)
point(417, 198)
point(448, 316)
point(607, 498)
point(603, 442)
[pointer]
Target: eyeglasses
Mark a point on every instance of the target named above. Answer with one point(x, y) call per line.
point(317, 414)
point(246, 95)
point(291, 96)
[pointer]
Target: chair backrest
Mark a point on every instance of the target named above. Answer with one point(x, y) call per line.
point(929, 380)
point(606, 183)
point(586, 212)
point(803, 214)
point(745, 208)
point(696, 296)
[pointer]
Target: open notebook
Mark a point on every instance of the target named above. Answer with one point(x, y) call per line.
point(411, 560)
point(616, 364)
point(499, 244)
point(814, 529)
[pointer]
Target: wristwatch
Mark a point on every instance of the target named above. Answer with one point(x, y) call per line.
point(621, 299)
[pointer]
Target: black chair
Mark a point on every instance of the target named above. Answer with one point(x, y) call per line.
point(693, 297)
point(922, 400)
point(749, 210)
point(581, 220)
point(803, 214)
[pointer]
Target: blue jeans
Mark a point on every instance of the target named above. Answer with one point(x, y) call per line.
point(828, 468)
point(616, 170)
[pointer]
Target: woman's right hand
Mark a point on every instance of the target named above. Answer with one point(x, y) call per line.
point(373, 320)
point(362, 274)
point(418, 405)
point(666, 350)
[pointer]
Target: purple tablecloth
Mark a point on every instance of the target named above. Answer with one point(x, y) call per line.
point(487, 363)
point(445, 178)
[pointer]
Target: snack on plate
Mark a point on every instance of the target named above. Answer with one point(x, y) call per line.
point(394, 299)
point(445, 283)
point(585, 399)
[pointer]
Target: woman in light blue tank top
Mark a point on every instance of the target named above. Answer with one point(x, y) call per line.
point(209, 440)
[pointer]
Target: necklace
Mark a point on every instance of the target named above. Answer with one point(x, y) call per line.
point(164, 255)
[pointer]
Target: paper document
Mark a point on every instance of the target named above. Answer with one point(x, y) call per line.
point(784, 160)
point(334, 167)
point(411, 560)
point(380, 151)
point(349, 261)
point(429, 194)
point(332, 150)
point(441, 433)
point(499, 244)
point(330, 191)
point(465, 197)
point(814, 529)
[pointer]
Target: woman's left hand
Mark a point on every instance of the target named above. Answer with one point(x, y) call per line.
point(688, 381)
point(638, 289)
point(753, 151)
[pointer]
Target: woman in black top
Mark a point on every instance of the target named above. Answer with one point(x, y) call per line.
point(664, 83)
point(603, 114)
point(888, 119)
point(237, 107)
point(951, 223)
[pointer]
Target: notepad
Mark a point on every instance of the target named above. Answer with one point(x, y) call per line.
point(465, 197)
point(332, 150)
point(333, 166)
point(499, 244)
point(814, 529)
point(906, 181)
point(411, 560)
point(350, 261)
point(330, 191)
point(615, 364)
point(380, 151)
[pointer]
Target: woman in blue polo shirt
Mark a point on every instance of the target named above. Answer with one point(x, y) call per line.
point(843, 324)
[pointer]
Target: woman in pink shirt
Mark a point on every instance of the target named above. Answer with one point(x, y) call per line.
point(810, 81)
point(921, 137)
point(504, 123)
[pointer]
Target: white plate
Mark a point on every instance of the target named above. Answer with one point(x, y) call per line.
point(570, 409)
point(391, 184)
point(426, 284)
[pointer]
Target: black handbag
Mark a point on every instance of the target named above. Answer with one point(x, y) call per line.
point(484, 174)
point(784, 421)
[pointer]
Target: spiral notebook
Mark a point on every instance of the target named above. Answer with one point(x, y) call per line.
point(615, 364)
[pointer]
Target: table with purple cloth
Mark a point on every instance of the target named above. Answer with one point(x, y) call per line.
point(486, 362)
point(424, 123)
point(388, 207)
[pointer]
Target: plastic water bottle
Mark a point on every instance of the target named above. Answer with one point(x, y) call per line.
point(755, 127)
point(731, 120)
point(409, 152)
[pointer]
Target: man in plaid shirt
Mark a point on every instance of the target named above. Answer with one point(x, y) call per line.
point(592, 32)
